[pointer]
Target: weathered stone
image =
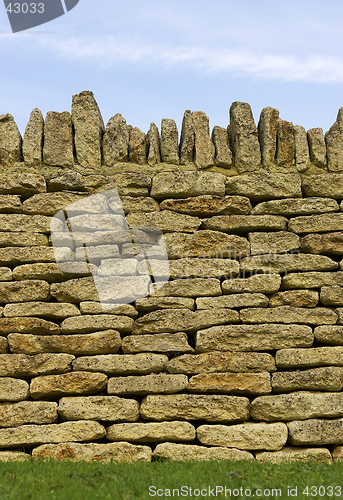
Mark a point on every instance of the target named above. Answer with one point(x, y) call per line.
point(208, 205)
point(28, 435)
point(245, 223)
point(51, 271)
point(58, 147)
point(169, 142)
point(119, 364)
point(267, 126)
point(178, 320)
point(285, 263)
point(192, 287)
point(27, 412)
point(278, 242)
point(92, 452)
point(55, 386)
point(187, 139)
point(292, 454)
point(3, 345)
point(220, 139)
point(330, 243)
point(296, 206)
point(10, 204)
point(244, 138)
point(195, 407)
point(24, 291)
point(337, 453)
point(295, 298)
point(28, 325)
point(201, 268)
point(315, 432)
point(289, 314)
point(334, 144)
point(302, 154)
point(317, 379)
point(330, 334)
point(263, 283)
point(70, 180)
point(50, 203)
point(89, 129)
point(306, 358)
point(204, 151)
point(185, 184)
point(104, 342)
point(29, 223)
point(115, 145)
point(317, 147)
point(231, 383)
point(22, 183)
point(161, 383)
point(151, 432)
point(10, 141)
point(159, 342)
point(97, 308)
point(91, 222)
point(253, 337)
point(139, 204)
point(206, 244)
point(324, 185)
point(104, 408)
point(233, 301)
point(316, 223)
point(169, 452)
point(312, 280)
point(248, 436)
point(15, 256)
point(285, 150)
point(92, 253)
point(90, 323)
point(261, 187)
point(153, 145)
point(21, 365)
point(12, 389)
point(165, 220)
point(14, 456)
point(137, 146)
point(6, 274)
point(149, 304)
point(75, 290)
point(13, 239)
point(33, 139)
point(131, 184)
point(41, 309)
point(332, 296)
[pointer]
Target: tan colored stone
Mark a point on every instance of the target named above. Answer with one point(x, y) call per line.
point(278, 242)
point(6, 274)
point(33, 139)
point(289, 314)
point(92, 452)
point(209, 205)
point(159, 342)
point(195, 407)
point(89, 307)
point(295, 298)
point(91, 323)
point(28, 325)
point(58, 149)
point(169, 452)
point(139, 204)
point(244, 138)
point(165, 220)
point(306, 358)
point(187, 139)
point(185, 184)
point(21, 365)
point(119, 364)
point(149, 304)
point(12, 389)
point(316, 223)
point(23, 183)
point(50, 203)
point(55, 386)
point(281, 263)
point(220, 139)
point(245, 223)
point(104, 408)
point(151, 432)
point(296, 206)
point(161, 383)
point(204, 151)
point(137, 146)
point(201, 268)
point(330, 334)
point(317, 147)
point(97, 252)
point(324, 185)
point(51, 271)
point(285, 147)
point(253, 337)
point(14, 456)
point(330, 243)
point(169, 142)
point(302, 154)
point(332, 296)
point(262, 187)
point(10, 204)
point(233, 301)
point(312, 280)
point(337, 453)
point(115, 145)
point(16, 256)
point(318, 379)
point(52, 311)
point(263, 283)
point(14, 239)
point(27, 412)
point(315, 432)
point(291, 454)
point(28, 223)
point(192, 287)
point(68, 180)
point(24, 291)
point(3, 345)
point(10, 140)
point(334, 144)
point(131, 184)
point(75, 290)
point(231, 383)
point(267, 127)
point(92, 222)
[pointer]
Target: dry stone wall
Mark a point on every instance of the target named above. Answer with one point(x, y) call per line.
point(239, 355)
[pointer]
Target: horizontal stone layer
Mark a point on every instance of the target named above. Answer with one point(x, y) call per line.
point(208, 205)
point(233, 301)
point(329, 334)
point(278, 263)
point(27, 412)
point(161, 383)
point(316, 223)
point(22, 365)
point(288, 315)
point(28, 325)
point(12, 389)
point(41, 309)
point(169, 452)
point(296, 206)
point(315, 432)
point(294, 454)
point(55, 386)
point(312, 279)
point(91, 323)
point(306, 358)
point(104, 408)
point(151, 432)
point(317, 379)
point(231, 383)
point(159, 342)
point(245, 223)
point(24, 291)
point(185, 184)
point(258, 283)
point(118, 364)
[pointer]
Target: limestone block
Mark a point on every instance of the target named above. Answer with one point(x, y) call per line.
point(220, 139)
point(324, 185)
point(165, 220)
point(10, 140)
point(31, 435)
point(50, 203)
point(329, 243)
point(231, 383)
point(153, 145)
point(169, 142)
point(27, 412)
point(211, 362)
point(267, 127)
point(187, 139)
point(317, 147)
point(29, 223)
point(93, 452)
point(244, 138)
point(332, 296)
point(191, 287)
point(131, 184)
point(312, 280)
point(315, 432)
point(24, 291)
point(21, 365)
point(337, 453)
point(104, 342)
point(306, 358)
point(91, 323)
point(204, 151)
point(28, 325)
point(10, 204)
point(295, 298)
point(55, 386)
point(137, 146)
point(149, 304)
point(151, 432)
point(115, 141)
point(202, 268)
point(15, 256)
point(262, 187)
point(292, 454)
point(185, 184)
point(89, 307)
point(3, 345)
point(119, 364)
point(208, 205)
point(334, 144)
point(302, 154)
point(330, 334)
point(139, 204)
point(14, 456)
point(159, 342)
point(33, 139)
point(263, 283)
point(68, 180)
point(245, 223)
point(104, 408)
point(296, 206)
point(285, 150)
point(75, 290)
point(89, 129)
point(6, 274)
point(51, 311)
point(317, 379)
point(253, 337)
point(14, 239)
point(58, 147)
point(289, 314)
point(169, 452)
point(195, 407)
point(51, 271)
point(12, 389)
point(23, 183)
point(316, 223)
point(233, 301)
point(161, 383)
point(285, 263)
point(278, 242)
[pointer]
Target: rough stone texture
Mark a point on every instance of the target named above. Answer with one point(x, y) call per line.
point(292, 454)
point(253, 337)
point(233, 301)
point(334, 144)
point(187, 139)
point(306, 358)
point(261, 187)
point(21, 365)
point(264, 283)
point(289, 314)
point(137, 146)
point(324, 185)
point(192, 287)
point(220, 139)
point(118, 364)
point(55, 386)
point(75, 290)
point(165, 220)
point(285, 263)
point(10, 204)
point(202, 268)
point(104, 408)
point(89, 307)
point(58, 147)
point(332, 296)
point(161, 383)
point(27, 412)
point(234, 383)
point(337, 453)
point(316, 223)
point(312, 280)
point(28, 325)
point(89, 129)
point(318, 379)
point(209, 205)
point(204, 151)
point(296, 206)
point(50, 203)
point(10, 140)
point(12, 389)
point(169, 452)
point(330, 334)
point(50, 271)
point(245, 223)
point(317, 147)
point(244, 138)
point(169, 142)
point(115, 145)
point(29, 223)
point(6, 274)
point(92, 452)
point(14, 456)
point(302, 154)
point(315, 432)
point(278, 242)
point(15, 255)
point(149, 304)
point(159, 342)
point(24, 291)
point(267, 127)
point(51, 311)
point(69, 180)
point(153, 145)
point(295, 298)
point(3, 345)
point(91, 323)
point(152, 432)
point(185, 184)
point(16, 239)
point(330, 243)
point(33, 139)
point(139, 204)
point(22, 183)
point(285, 150)
point(248, 436)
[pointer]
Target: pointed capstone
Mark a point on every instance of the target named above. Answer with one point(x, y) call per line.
point(153, 143)
point(334, 144)
point(58, 140)
point(10, 141)
point(169, 142)
point(89, 129)
point(317, 147)
point(204, 148)
point(187, 139)
point(267, 126)
point(244, 138)
point(220, 138)
point(285, 151)
point(137, 146)
point(302, 154)
point(116, 141)
point(33, 139)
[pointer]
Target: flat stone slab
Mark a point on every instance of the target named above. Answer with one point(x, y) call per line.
point(169, 452)
point(24, 291)
point(14, 456)
point(161, 383)
point(159, 342)
point(192, 287)
point(233, 301)
point(15, 256)
point(28, 325)
point(316, 223)
point(231, 383)
point(104, 408)
point(330, 334)
point(166, 221)
point(323, 185)
point(296, 206)
point(41, 309)
point(245, 223)
point(29, 223)
point(151, 432)
point(328, 378)
point(209, 205)
point(294, 454)
point(262, 187)
point(306, 358)
point(22, 365)
point(21, 239)
point(27, 412)
point(312, 280)
point(89, 307)
point(332, 296)
point(315, 432)
point(273, 242)
point(55, 386)
point(22, 183)
point(295, 298)
point(12, 389)
point(202, 268)
point(289, 314)
point(286, 263)
point(149, 304)
point(185, 184)
point(90, 323)
point(258, 283)
point(327, 243)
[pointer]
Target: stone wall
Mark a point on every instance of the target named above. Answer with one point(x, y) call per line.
point(239, 355)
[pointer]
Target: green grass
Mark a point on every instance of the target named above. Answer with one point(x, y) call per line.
point(83, 481)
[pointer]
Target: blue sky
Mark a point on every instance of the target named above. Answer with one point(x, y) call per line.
point(155, 59)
